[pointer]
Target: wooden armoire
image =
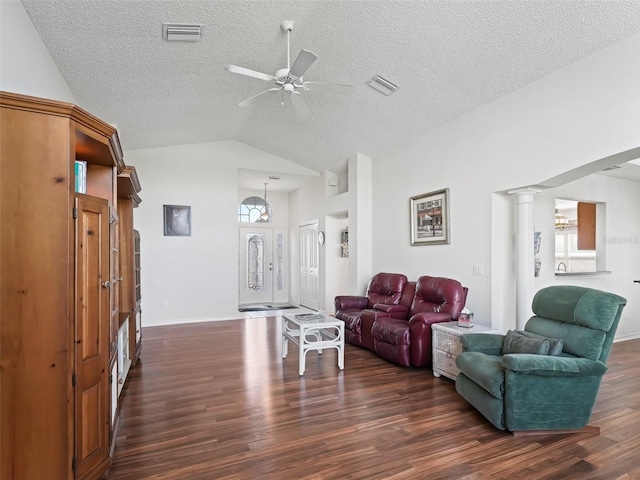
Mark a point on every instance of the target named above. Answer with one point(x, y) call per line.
point(60, 288)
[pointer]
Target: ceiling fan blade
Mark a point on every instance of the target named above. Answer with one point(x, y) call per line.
point(322, 87)
point(302, 63)
point(259, 96)
point(250, 73)
point(301, 104)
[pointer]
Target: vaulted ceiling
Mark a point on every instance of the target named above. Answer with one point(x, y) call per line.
point(447, 56)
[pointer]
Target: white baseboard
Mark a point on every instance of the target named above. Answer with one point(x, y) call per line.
point(238, 316)
point(180, 321)
point(624, 338)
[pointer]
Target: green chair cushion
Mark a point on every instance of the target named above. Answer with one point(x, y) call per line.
point(485, 370)
point(489, 343)
point(578, 305)
point(578, 341)
point(548, 366)
point(555, 344)
point(516, 342)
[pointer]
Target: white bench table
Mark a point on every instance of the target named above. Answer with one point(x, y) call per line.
point(312, 331)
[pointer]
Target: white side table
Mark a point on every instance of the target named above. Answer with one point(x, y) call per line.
point(312, 332)
point(446, 346)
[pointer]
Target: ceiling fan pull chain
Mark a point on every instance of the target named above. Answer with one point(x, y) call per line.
point(288, 52)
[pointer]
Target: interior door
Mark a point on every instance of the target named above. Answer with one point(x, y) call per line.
point(92, 315)
point(308, 275)
point(256, 265)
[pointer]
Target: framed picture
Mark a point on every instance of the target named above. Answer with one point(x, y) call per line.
point(430, 218)
point(177, 221)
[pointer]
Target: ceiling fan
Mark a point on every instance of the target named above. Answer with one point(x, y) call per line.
point(288, 81)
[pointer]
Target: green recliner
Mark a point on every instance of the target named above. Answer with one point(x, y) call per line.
point(525, 391)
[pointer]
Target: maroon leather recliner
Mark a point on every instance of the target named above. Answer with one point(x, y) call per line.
point(408, 342)
point(384, 291)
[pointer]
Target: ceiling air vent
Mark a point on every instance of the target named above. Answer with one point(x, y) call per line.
point(382, 85)
point(608, 169)
point(181, 32)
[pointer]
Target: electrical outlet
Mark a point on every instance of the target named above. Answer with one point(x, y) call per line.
point(477, 269)
point(165, 303)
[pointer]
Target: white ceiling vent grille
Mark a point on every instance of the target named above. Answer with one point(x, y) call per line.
point(382, 85)
point(181, 32)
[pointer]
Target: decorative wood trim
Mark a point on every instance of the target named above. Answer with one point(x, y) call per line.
point(71, 111)
point(129, 185)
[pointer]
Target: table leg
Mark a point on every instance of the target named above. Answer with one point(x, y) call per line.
point(301, 351)
point(341, 348)
point(318, 339)
point(285, 342)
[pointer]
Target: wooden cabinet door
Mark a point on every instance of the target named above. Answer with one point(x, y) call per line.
point(92, 315)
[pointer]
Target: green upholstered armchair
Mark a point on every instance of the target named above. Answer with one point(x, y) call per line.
point(524, 391)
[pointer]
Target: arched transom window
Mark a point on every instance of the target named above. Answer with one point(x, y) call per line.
point(254, 209)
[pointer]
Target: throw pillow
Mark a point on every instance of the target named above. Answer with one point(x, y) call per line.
point(555, 344)
point(515, 342)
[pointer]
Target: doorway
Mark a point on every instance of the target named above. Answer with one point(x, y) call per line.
point(262, 276)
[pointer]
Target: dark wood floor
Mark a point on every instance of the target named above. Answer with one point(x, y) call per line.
point(217, 401)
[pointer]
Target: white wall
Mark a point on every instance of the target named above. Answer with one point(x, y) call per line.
point(621, 239)
point(336, 266)
point(319, 202)
point(585, 112)
point(306, 206)
point(197, 275)
point(25, 64)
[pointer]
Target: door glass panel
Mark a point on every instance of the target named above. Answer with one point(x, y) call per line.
point(279, 262)
point(255, 262)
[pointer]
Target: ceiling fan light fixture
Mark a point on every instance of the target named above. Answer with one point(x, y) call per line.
point(181, 32)
point(289, 80)
point(383, 85)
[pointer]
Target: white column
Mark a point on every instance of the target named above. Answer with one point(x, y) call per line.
point(525, 279)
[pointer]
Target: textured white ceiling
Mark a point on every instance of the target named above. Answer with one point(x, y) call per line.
point(448, 57)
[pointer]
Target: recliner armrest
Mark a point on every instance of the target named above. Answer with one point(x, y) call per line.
point(429, 318)
point(391, 308)
point(351, 302)
point(550, 366)
point(487, 343)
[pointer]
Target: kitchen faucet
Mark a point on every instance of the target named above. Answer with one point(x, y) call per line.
point(564, 267)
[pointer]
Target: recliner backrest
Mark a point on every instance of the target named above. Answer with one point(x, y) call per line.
point(386, 288)
point(585, 318)
point(437, 294)
point(408, 292)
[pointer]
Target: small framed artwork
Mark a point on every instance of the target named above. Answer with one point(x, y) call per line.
point(177, 221)
point(430, 218)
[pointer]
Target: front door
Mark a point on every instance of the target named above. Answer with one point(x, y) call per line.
point(256, 265)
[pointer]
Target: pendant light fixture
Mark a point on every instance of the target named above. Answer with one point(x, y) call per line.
point(265, 215)
point(561, 221)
